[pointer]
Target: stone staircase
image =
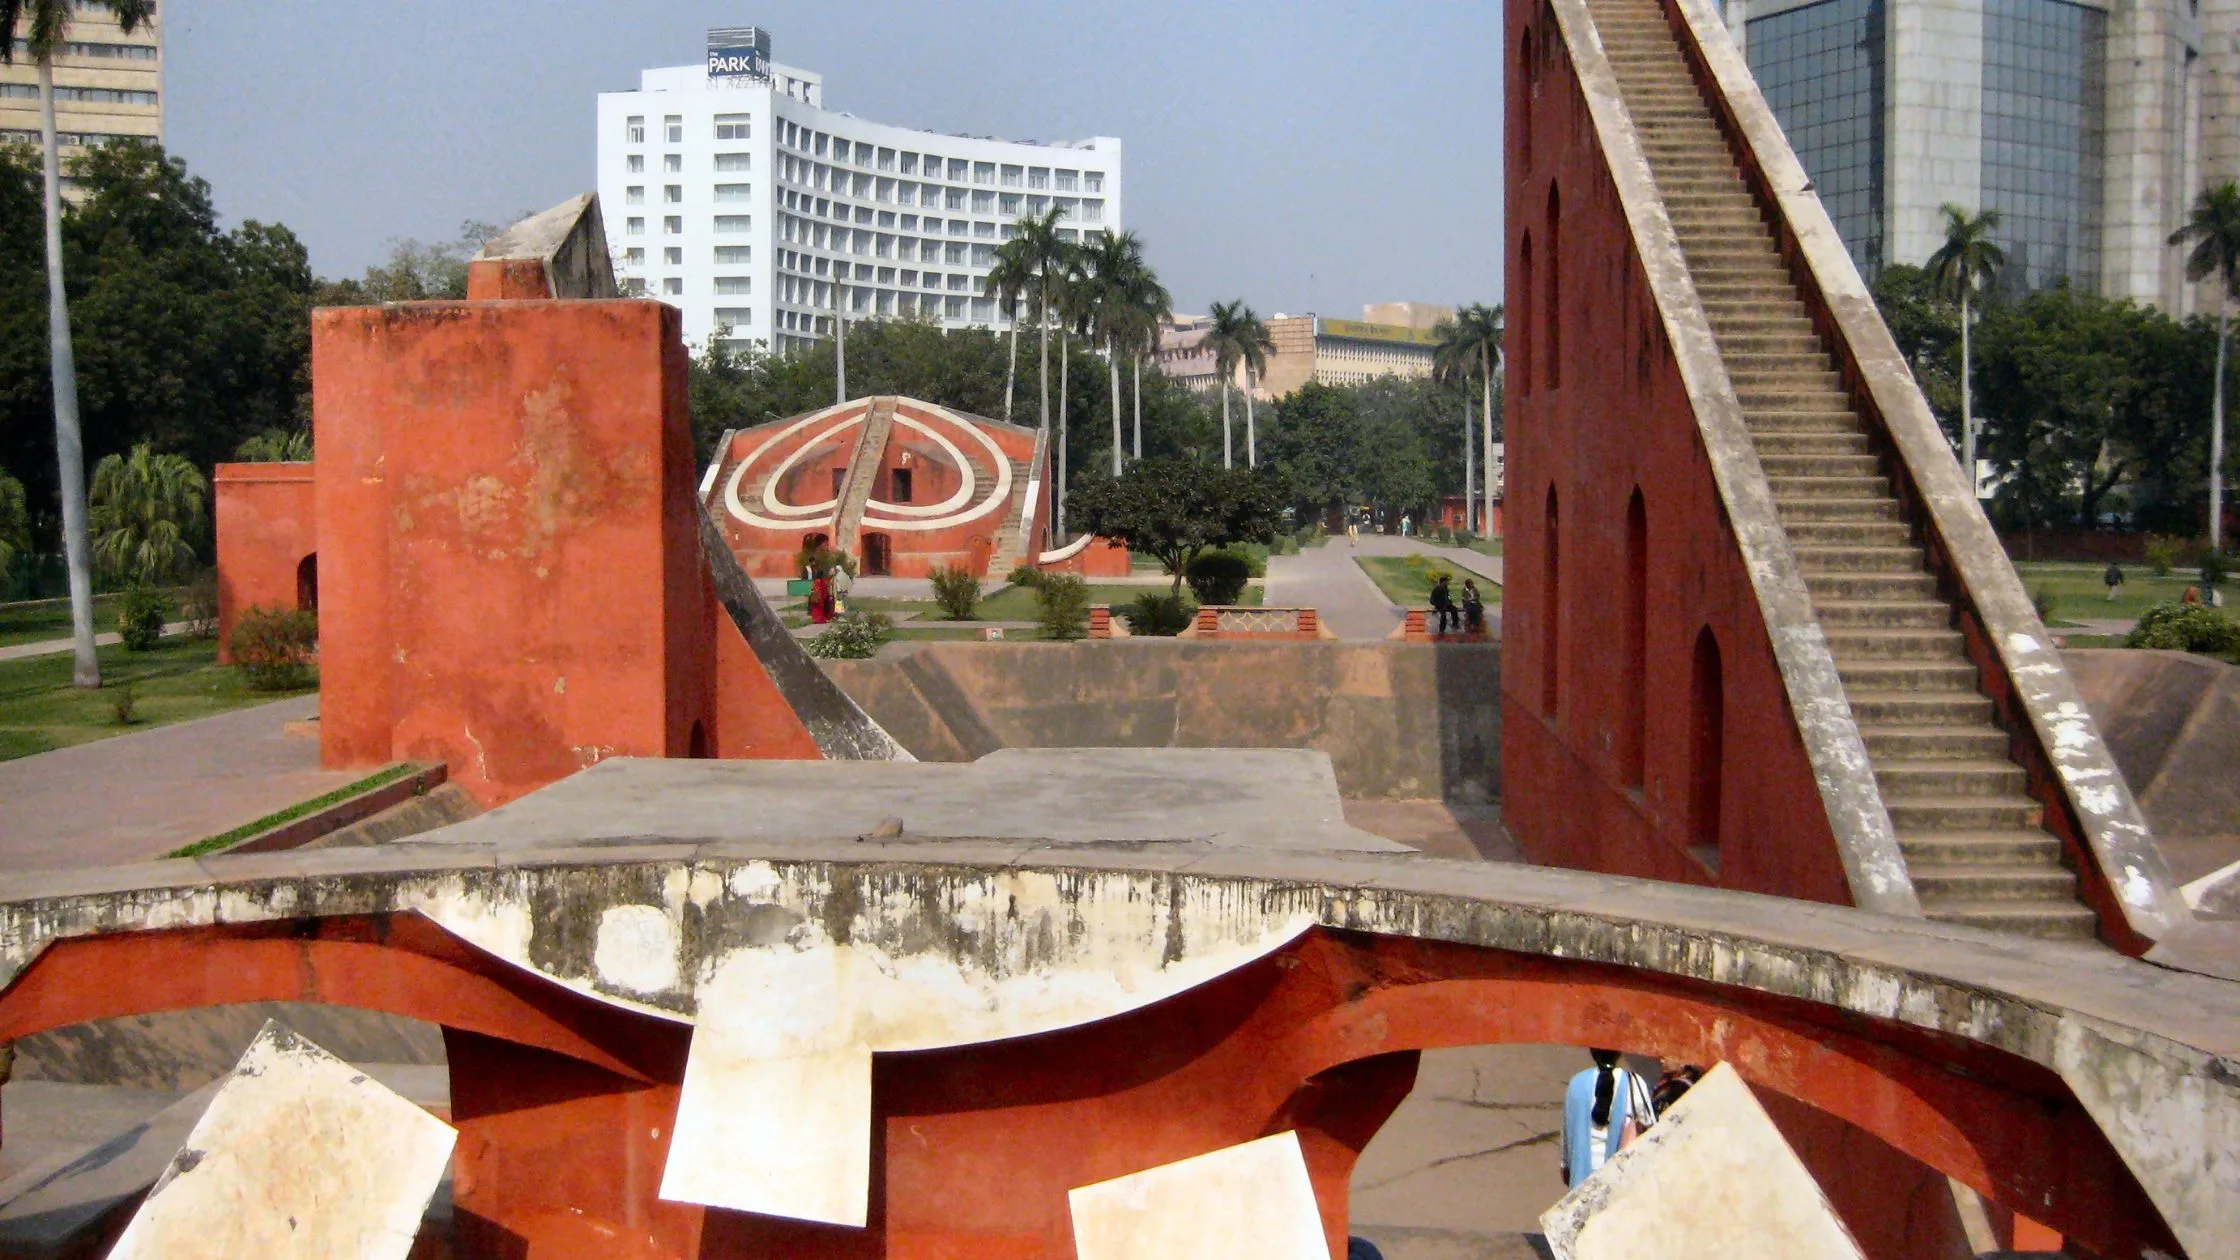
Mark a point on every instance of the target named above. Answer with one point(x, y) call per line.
point(1973, 840)
point(863, 472)
point(1009, 549)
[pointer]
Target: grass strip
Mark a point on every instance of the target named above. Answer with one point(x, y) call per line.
point(225, 839)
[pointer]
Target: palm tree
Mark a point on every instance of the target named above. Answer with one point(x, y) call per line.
point(1470, 348)
point(1007, 281)
point(1070, 298)
point(44, 27)
point(1045, 252)
point(2214, 231)
point(1153, 307)
point(274, 446)
point(1108, 264)
point(1236, 336)
point(144, 505)
point(1966, 262)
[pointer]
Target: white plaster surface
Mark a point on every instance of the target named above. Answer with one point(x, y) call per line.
point(300, 1154)
point(1248, 1202)
point(1713, 1179)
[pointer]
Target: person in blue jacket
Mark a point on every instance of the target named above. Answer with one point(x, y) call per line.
point(1603, 1106)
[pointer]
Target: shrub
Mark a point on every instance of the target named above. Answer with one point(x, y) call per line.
point(2215, 567)
point(2162, 553)
point(1163, 614)
point(1064, 603)
point(200, 607)
point(141, 616)
point(1218, 577)
point(2041, 599)
point(823, 559)
point(852, 636)
point(273, 647)
point(957, 591)
point(2185, 628)
point(1027, 576)
point(124, 705)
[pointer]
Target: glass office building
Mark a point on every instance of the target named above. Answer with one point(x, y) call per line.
point(2081, 125)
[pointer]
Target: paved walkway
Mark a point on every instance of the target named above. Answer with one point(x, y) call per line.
point(139, 796)
point(47, 647)
point(1326, 579)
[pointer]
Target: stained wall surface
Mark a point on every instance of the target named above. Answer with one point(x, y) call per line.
point(266, 534)
point(1597, 413)
point(514, 584)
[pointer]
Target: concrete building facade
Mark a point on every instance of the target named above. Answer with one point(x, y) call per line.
point(1392, 339)
point(2091, 127)
point(108, 84)
point(732, 193)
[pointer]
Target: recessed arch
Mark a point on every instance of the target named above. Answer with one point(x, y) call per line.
point(1707, 749)
point(1633, 630)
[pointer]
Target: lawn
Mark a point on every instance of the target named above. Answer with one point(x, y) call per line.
point(1406, 580)
point(179, 680)
point(40, 620)
point(1017, 603)
point(2079, 590)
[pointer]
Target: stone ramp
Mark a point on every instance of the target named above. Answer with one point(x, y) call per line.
point(1401, 721)
point(2172, 719)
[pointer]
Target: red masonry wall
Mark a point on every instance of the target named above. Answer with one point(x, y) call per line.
point(267, 542)
point(1597, 412)
point(513, 576)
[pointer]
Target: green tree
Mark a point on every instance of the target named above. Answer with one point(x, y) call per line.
point(1174, 509)
point(1315, 440)
point(15, 527)
point(43, 26)
point(144, 507)
point(1925, 322)
point(1470, 348)
point(1046, 254)
point(1007, 282)
point(274, 446)
point(1112, 267)
point(415, 271)
point(1236, 336)
point(2213, 230)
point(1967, 262)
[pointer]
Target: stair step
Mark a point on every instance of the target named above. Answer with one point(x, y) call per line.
point(1815, 559)
point(1962, 813)
point(1986, 848)
point(1856, 487)
point(1907, 587)
point(1862, 643)
point(1939, 884)
point(2050, 922)
point(1949, 777)
point(1767, 421)
point(1882, 614)
point(1873, 675)
point(1834, 508)
point(1819, 465)
point(1873, 706)
point(1849, 533)
point(1918, 743)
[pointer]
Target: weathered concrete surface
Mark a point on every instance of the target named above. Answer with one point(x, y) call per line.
point(556, 253)
point(298, 1154)
point(1398, 720)
point(1259, 798)
point(137, 797)
point(440, 807)
point(1711, 1180)
point(1448, 829)
point(1473, 1152)
point(2151, 1054)
point(1251, 1202)
point(2172, 721)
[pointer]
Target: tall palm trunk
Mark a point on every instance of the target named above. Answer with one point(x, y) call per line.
point(69, 443)
point(1011, 371)
point(1058, 495)
point(1485, 365)
point(1112, 362)
point(839, 345)
point(1139, 405)
point(1469, 471)
point(2216, 434)
point(1227, 460)
point(1967, 402)
point(1251, 450)
point(1042, 330)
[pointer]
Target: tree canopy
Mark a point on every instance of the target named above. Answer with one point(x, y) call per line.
point(1173, 509)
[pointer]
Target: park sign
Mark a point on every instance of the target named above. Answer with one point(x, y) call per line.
point(738, 52)
point(1356, 330)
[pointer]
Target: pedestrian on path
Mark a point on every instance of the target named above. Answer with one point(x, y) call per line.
point(820, 600)
point(1442, 605)
point(1604, 1109)
point(841, 584)
point(1353, 531)
point(2114, 578)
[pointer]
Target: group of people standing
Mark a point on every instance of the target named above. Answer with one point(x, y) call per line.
point(828, 591)
point(1608, 1105)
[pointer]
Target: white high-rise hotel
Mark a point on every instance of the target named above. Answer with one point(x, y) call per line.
point(730, 192)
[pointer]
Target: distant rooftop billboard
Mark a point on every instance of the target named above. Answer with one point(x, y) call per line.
point(738, 52)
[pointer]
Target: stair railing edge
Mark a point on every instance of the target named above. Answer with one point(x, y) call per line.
point(2097, 798)
point(1874, 866)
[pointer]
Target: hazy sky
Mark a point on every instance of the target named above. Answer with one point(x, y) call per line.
point(1301, 155)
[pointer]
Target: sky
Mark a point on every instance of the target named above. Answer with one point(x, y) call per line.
point(1304, 156)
